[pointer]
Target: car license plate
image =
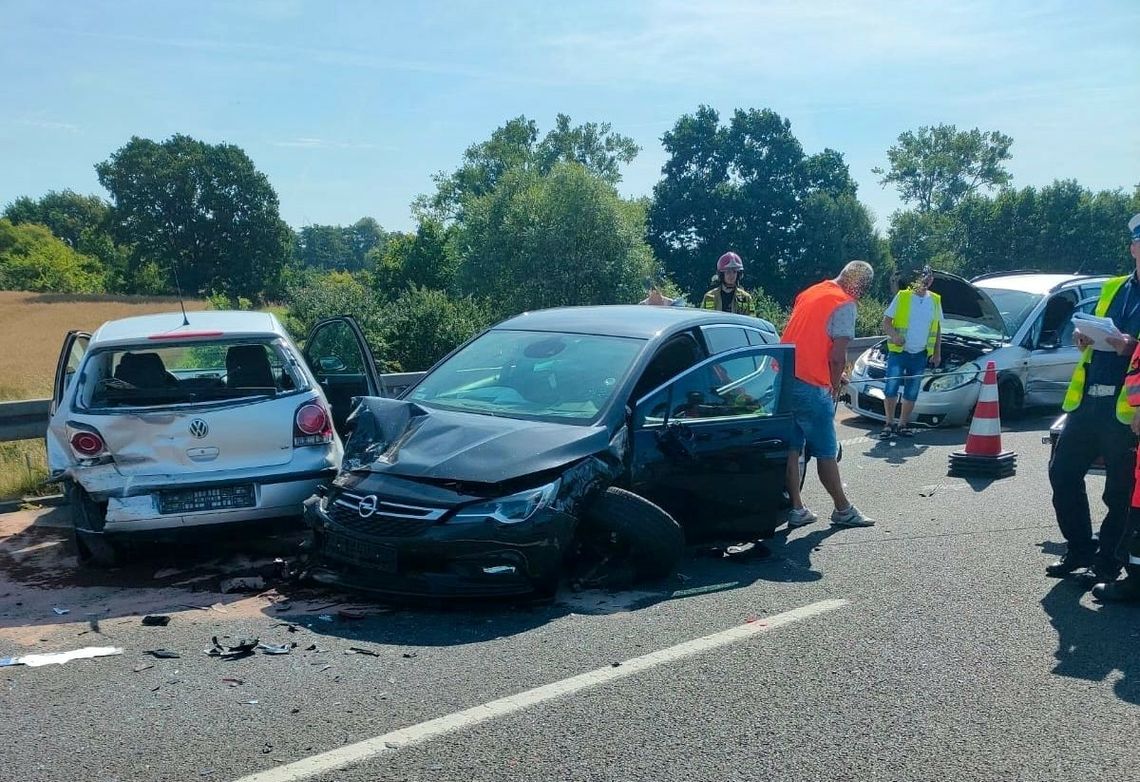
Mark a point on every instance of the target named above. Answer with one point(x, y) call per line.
point(362, 552)
point(214, 498)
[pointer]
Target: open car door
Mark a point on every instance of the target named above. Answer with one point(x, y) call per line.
point(710, 445)
point(339, 357)
point(74, 349)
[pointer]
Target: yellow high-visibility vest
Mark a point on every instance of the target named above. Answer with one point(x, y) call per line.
point(902, 317)
point(1076, 391)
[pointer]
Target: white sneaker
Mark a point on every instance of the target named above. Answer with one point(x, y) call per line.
point(852, 517)
point(799, 517)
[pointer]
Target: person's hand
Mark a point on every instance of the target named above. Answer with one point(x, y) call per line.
point(1136, 422)
point(1123, 345)
point(1080, 340)
point(897, 338)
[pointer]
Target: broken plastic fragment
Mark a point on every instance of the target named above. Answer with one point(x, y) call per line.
point(163, 654)
point(156, 620)
point(61, 611)
point(361, 650)
point(247, 584)
point(276, 648)
point(36, 660)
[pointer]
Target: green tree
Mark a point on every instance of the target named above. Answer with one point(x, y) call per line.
point(936, 167)
point(67, 214)
point(203, 209)
point(423, 325)
point(324, 247)
point(515, 145)
point(32, 259)
point(424, 259)
point(743, 186)
point(332, 294)
point(538, 241)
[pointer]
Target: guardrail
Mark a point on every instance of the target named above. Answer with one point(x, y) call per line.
point(28, 419)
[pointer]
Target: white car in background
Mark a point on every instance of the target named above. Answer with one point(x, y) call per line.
point(166, 422)
point(1019, 320)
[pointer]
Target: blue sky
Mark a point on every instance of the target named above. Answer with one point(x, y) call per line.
point(350, 107)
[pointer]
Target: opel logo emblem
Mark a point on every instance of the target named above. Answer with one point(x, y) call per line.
point(199, 428)
point(367, 506)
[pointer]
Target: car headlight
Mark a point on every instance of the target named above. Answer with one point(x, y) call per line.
point(956, 378)
point(513, 509)
point(860, 365)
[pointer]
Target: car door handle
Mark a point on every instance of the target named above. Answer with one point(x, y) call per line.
point(770, 444)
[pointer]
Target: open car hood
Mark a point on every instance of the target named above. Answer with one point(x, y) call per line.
point(406, 439)
point(962, 300)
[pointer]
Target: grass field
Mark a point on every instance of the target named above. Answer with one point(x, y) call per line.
point(32, 328)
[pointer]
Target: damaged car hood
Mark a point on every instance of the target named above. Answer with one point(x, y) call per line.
point(407, 439)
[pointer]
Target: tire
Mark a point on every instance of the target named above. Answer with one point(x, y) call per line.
point(639, 539)
point(92, 549)
point(1011, 399)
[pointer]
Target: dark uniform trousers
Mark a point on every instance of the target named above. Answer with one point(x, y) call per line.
point(1090, 431)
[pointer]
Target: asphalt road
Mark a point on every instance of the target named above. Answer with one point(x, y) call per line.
point(929, 647)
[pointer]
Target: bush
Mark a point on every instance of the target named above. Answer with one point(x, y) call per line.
point(31, 259)
point(423, 325)
point(337, 293)
point(869, 317)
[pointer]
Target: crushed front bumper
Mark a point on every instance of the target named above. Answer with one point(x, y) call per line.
point(933, 408)
point(484, 559)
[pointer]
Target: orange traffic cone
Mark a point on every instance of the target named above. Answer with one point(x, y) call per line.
point(983, 454)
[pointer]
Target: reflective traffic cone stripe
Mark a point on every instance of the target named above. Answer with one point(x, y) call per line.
point(985, 430)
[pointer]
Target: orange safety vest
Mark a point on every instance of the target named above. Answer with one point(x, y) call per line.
point(807, 330)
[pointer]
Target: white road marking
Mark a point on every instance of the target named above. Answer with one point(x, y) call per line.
point(425, 731)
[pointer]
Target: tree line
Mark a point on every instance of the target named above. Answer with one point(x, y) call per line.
point(529, 220)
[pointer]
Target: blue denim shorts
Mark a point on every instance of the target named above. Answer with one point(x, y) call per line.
point(813, 410)
point(908, 365)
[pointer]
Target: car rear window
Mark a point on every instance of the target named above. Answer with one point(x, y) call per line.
point(150, 375)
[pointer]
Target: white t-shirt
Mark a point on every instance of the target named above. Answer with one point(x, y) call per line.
point(917, 330)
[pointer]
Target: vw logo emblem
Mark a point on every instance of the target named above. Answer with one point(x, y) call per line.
point(367, 506)
point(199, 428)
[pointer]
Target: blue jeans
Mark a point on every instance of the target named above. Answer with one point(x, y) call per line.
point(813, 411)
point(902, 365)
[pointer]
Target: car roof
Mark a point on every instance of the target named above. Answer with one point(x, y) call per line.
point(626, 320)
point(203, 324)
point(1035, 282)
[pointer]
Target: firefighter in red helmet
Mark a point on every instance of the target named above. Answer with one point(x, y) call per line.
point(729, 296)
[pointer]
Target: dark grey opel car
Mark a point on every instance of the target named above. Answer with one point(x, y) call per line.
point(607, 433)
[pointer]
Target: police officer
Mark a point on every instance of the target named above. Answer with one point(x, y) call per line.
point(1128, 552)
point(729, 296)
point(1098, 425)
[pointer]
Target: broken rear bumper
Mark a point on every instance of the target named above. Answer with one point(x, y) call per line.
point(476, 560)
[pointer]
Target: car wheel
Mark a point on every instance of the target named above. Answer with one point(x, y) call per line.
point(87, 518)
point(1011, 399)
point(626, 538)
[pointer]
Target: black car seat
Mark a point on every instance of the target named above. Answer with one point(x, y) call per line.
point(144, 370)
point(247, 366)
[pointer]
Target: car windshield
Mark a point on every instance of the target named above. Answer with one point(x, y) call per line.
point(1014, 307)
point(153, 375)
point(534, 375)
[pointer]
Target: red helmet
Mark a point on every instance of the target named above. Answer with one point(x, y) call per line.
point(730, 261)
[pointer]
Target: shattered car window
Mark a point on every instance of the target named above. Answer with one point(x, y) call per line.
point(152, 375)
point(526, 374)
point(740, 386)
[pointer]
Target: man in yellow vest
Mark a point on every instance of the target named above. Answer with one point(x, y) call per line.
point(1098, 425)
point(821, 326)
point(728, 296)
point(913, 325)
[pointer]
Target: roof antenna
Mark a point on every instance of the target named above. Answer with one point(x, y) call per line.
point(178, 286)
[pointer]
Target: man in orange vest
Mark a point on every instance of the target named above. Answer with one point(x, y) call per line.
point(821, 326)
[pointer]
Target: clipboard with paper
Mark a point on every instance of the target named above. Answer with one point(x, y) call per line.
point(1097, 329)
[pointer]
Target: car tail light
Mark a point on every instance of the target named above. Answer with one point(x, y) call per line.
point(312, 425)
point(88, 444)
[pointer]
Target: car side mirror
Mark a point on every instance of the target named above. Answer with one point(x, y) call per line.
point(331, 364)
point(1049, 340)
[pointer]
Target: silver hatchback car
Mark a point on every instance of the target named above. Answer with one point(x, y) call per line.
point(1019, 320)
point(166, 422)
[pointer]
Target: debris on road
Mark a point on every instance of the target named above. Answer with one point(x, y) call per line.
point(361, 650)
point(141, 668)
point(245, 584)
point(61, 611)
point(163, 654)
point(58, 658)
point(276, 648)
point(243, 648)
point(749, 550)
point(233, 682)
point(155, 620)
point(409, 655)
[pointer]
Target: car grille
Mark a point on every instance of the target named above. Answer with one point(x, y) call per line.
point(389, 519)
point(871, 405)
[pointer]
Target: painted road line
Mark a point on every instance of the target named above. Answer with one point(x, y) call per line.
point(389, 743)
